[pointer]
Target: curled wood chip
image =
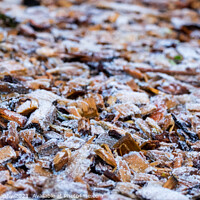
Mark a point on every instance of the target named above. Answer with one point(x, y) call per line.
point(6, 153)
point(27, 107)
point(61, 159)
point(106, 156)
point(126, 144)
point(133, 72)
point(13, 116)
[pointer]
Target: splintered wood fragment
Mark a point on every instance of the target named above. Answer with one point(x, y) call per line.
point(126, 144)
point(2, 189)
point(61, 158)
point(12, 169)
point(169, 72)
point(171, 183)
point(133, 72)
point(48, 148)
point(107, 156)
point(13, 116)
point(90, 110)
point(111, 176)
point(6, 153)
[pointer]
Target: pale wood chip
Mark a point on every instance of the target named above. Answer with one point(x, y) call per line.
point(6, 153)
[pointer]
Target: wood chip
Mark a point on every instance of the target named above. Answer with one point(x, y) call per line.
point(106, 156)
point(6, 153)
point(126, 144)
point(2, 189)
point(13, 116)
point(61, 158)
point(136, 162)
point(4, 176)
point(27, 107)
point(171, 183)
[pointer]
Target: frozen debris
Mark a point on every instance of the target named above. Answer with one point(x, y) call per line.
point(4, 176)
point(72, 143)
point(46, 112)
point(193, 107)
point(61, 159)
point(64, 189)
point(123, 170)
point(49, 148)
point(13, 116)
point(147, 109)
point(79, 162)
point(7, 88)
point(127, 189)
point(6, 153)
point(171, 183)
point(126, 144)
point(27, 107)
point(126, 109)
point(156, 192)
point(38, 170)
point(136, 161)
point(132, 97)
point(106, 155)
point(12, 67)
point(90, 106)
